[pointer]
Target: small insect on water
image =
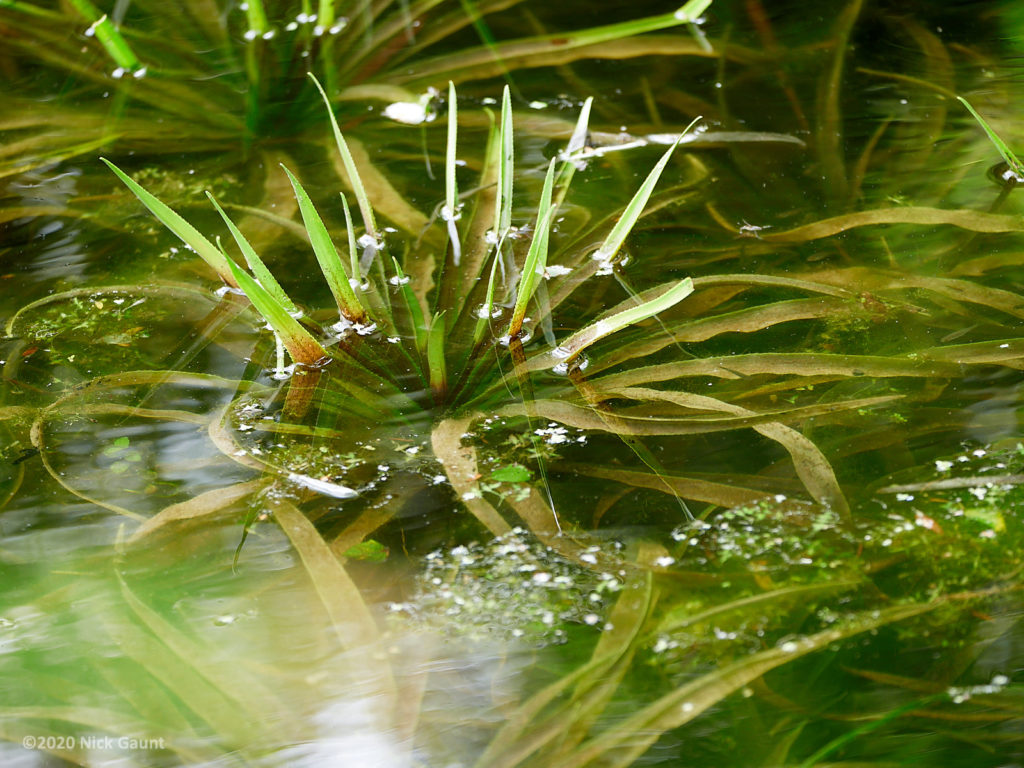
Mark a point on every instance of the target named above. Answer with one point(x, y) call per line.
point(748, 229)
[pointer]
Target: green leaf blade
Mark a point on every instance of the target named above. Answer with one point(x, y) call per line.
point(188, 234)
point(350, 168)
point(613, 243)
point(256, 265)
point(594, 332)
point(536, 257)
point(297, 340)
point(327, 255)
point(1007, 154)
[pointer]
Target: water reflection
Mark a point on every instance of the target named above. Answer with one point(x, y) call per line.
point(226, 668)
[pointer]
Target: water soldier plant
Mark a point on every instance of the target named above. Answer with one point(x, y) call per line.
point(393, 352)
point(842, 313)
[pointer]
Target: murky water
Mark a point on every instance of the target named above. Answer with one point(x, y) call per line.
point(775, 523)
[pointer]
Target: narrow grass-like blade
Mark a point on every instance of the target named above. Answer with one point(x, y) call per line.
point(534, 725)
point(451, 191)
point(325, 13)
point(543, 50)
point(624, 742)
point(536, 257)
point(1007, 153)
point(692, 10)
point(484, 318)
point(256, 16)
point(460, 465)
point(256, 265)
point(350, 231)
point(680, 617)
point(577, 142)
point(415, 310)
point(188, 234)
point(244, 691)
point(610, 247)
point(450, 212)
point(350, 167)
point(341, 598)
point(868, 727)
point(435, 357)
point(327, 256)
point(203, 505)
point(506, 167)
point(108, 35)
point(596, 331)
point(297, 340)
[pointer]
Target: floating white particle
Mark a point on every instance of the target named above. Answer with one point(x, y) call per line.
point(542, 577)
point(789, 647)
point(322, 486)
point(943, 466)
point(904, 497)
point(687, 706)
point(664, 562)
point(538, 105)
point(406, 112)
point(555, 270)
point(250, 34)
point(591, 619)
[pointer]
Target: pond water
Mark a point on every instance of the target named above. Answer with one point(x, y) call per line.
point(772, 521)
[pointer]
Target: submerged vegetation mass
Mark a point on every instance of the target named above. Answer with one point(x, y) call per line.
point(696, 442)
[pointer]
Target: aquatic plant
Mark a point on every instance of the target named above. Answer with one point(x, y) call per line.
point(219, 76)
point(1014, 166)
point(394, 352)
point(832, 402)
